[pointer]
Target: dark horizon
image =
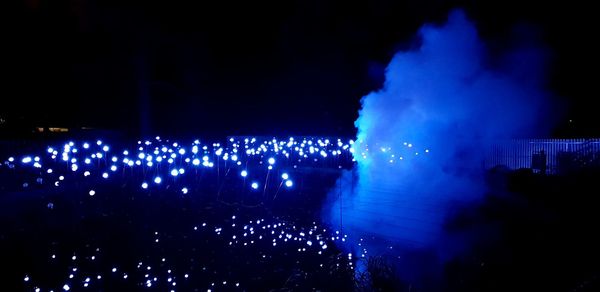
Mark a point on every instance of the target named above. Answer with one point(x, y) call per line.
point(260, 68)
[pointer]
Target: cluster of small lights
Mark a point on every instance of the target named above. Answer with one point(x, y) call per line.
point(157, 164)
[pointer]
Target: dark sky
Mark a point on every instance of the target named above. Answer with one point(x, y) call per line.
point(281, 67)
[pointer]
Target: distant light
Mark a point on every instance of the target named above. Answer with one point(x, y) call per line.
point(92, 192)
point(86, 145)
point(87, 161)
point(157, 180)
point(174, 172)
point(196, 161)
point(255, 185)
point(181, 171)
point(141, 155)
point(113, 168)
point(125, 152)
point(145, 185)
point(105, 175)
point(271, 160)
point(288, 183)
point(66, 287)
point(49, 170)
point(181, 151)
point(184, 191)
point(284, 176)
point(105, 148)
point(26, 159)
point(11, 159)
point(86, 173)
point(244, 173)
point(74, 167)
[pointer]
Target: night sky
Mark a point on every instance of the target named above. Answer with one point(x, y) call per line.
point(286, 67)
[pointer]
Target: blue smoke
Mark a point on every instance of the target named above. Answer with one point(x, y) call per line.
point(421, 138)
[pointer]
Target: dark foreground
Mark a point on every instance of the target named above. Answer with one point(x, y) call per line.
point(530, 233)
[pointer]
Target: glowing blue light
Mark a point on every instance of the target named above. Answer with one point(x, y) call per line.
point(254, 185)
point(184, 191)
point(288, 183)
point(125, 152)
point(86, 145)
point(11, 159)
point(157, 180)
point(49, 170)
point(66, 287)
point(284, 176)
point(105, 148)
point(174, 172)
point(86, 173)
point(74, 167)
point(26, 159)
point(141, 155)
point(181, 171)
point(92, 193)
point(181, 151)
point(244, 173)
point(196, 161)
point(271, 160)
point(114, 159)
point(50, 150)
point(145, 185)
point(149, 163)
point(113, 168)
point(105, 175)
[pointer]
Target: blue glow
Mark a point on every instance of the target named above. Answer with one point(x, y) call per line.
point(145, 185)
point(254, 185)
point(105, 175)
point(196, 161)
point(157, 180)
point(27, 159)
point(271, 160)
point(289, 183)
point(441, 97)
point(285, 176)
point(86, 145)
point(174, 172)
point(244, 173)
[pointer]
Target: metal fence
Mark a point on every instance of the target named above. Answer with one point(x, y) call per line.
point(556, 155)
